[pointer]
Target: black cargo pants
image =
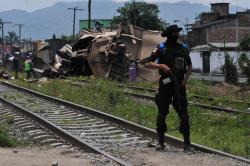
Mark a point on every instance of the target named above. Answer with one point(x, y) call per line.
point(165, 96)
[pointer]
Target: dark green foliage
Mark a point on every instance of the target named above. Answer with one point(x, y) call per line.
point(230, 69)
point(12, 37)
point(146, 15)
point(244, 63)
point(244, 44)
point(5, 139)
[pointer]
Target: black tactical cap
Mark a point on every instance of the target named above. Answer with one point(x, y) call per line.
point(169, 29)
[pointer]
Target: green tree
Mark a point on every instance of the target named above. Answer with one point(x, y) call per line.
point(245, 44)
point(145, 15)
point(244, 63)
point(12, 37)
point(230, 69)
point(244, 60)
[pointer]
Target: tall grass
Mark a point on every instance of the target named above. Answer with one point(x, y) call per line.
point(222, 131)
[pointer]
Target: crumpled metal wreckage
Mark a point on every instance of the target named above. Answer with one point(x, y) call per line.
point(106, 55)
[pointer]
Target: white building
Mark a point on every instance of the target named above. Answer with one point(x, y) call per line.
point(211, 57)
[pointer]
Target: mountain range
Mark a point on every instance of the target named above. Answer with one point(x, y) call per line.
point(58, 20)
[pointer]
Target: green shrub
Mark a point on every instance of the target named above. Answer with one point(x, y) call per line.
point(230, 69)
point(5, 138)
point(244, 63)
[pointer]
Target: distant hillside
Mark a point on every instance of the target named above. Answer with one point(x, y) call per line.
point(57, 19)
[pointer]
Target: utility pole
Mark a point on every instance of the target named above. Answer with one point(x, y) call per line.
point(134, 14)
point(20, 30)
point(89, 14)
point(74, 18)
point(187, 33)
point(2, 24)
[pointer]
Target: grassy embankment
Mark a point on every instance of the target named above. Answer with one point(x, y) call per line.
point(211, 96)
point(6, 140)
point(222, 131)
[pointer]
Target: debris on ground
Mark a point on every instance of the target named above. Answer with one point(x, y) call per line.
point(5, 75)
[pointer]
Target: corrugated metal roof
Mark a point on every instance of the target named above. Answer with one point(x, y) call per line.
point(224, 45)
point(201, 48)
point(215, 46)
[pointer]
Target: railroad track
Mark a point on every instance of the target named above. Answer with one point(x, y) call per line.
point(28, 129)
point(204, 106)
point(33, 131)
point(152, 90)
point(87, 128)
point(195, 104)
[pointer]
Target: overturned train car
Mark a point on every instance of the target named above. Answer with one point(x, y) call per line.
point(110, 54)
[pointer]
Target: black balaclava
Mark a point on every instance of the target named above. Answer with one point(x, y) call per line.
point(172, 38)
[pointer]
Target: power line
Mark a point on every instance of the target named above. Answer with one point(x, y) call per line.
point(134, 14)
point(20, 30)
point(2, 24)
point(74, 19)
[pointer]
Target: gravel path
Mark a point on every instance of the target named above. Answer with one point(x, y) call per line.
point(38, 157)
point(175, 157)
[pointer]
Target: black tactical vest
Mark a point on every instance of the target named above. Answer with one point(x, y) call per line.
point(176, 57)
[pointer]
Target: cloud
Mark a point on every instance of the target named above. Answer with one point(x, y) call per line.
point(243, 3)
point(31, 5)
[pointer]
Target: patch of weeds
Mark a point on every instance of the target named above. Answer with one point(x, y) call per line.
point(67, 121)
point(39, 111)
point(32, 104)
point(9, 96)
point(115, 97)
point(31, 100)
point(25, 143)
point(9, 119)
point(5, 139)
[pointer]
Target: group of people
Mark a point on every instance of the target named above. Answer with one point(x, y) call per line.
point(28, 66)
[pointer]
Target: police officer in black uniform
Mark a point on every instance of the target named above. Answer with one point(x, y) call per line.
point(174, 64)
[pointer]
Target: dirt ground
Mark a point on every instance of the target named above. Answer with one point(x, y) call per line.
point(176, 157)
point(38, 157)
point(225, 89)
point(146, 157)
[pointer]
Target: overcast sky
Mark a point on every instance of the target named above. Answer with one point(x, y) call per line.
point(31, 5)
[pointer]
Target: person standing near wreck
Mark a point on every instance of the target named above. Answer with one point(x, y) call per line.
point(16, 61)
point(174, 64)
point(97, 26)
point(28, 68)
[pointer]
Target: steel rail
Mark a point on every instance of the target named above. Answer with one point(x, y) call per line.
point(154, 90)
point(216, 98)
point(129, 125)
point(62, 133)
point(204, 106)
point(125, 86)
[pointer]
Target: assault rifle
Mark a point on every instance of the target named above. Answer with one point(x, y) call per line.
point(145, 60)
point(176, 79)
point(142, 61)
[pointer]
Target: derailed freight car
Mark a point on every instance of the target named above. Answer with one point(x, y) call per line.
point(110, 54)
